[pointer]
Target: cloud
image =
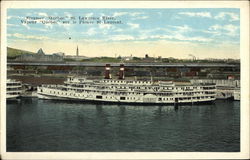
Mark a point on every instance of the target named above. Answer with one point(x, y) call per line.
point(223, 15)
point(174, 33)
point(182, 29)
point(140, 17)
point(122, 38)
point(160, 37)
point(26, 26)
point(175, 17)
point(68, 14)
point(9, 17)
point(197, 39)
point(212, 32)
point(151, 31)
point(133, 25)
point(91, 31)
point(63, 25)
point(48, 25)
point(119, 30)
point(16, 17)
point(159, 13)
point(176, 36)
point(42, 14)
point(132, 14)
point(117, 14)
point(105, 26)
point(13, 25)
point(196, 14)
point(135, 13)
point(230, 30)
point(89, 14)
point(21, 36)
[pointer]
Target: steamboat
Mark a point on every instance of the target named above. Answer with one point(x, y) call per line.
point(13, 89)
point(128, 91)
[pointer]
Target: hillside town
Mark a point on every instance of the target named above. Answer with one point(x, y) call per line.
point(39, 68)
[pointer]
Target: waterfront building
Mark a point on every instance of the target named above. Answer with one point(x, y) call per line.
point(40, 56)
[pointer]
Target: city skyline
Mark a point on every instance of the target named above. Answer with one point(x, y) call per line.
point(204, 33)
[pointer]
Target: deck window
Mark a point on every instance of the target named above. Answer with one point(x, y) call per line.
point(122, 98)
point(99, 97)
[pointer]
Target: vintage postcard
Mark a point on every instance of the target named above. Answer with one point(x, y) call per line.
point(124, 80)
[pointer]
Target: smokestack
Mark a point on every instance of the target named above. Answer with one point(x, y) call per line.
point(107, 72)
point(121, 72)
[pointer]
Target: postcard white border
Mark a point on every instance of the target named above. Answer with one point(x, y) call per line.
point(244, 54)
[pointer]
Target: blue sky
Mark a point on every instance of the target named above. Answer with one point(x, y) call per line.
point(188, 31)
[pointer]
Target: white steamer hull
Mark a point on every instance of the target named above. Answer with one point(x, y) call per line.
point(145, 99)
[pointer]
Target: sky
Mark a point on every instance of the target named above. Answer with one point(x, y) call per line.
point(178, 33)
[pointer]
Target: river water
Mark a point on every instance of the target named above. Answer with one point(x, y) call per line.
point(45, 125)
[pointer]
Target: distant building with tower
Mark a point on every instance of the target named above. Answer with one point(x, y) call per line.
point(77, 52)
point(76, 57)
point(40, 56)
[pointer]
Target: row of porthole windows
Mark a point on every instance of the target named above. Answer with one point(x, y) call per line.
point(128, 98)
point(182, 88)
point(78, 95)
point(189, 93)
point(13, 84)
point(114, 81)
point(14, 93)
point(131, 98)
point(209, 92)
point(106, 92)
point(132, 93)
point(163, 99)
point(144, 82)
point(202, 97)
point(13, 89)
point(208, 87)
point(54, 92)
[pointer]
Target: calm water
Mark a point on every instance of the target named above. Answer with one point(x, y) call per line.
point(43, 125)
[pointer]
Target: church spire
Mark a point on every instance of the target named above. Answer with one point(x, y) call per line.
point(77, 51)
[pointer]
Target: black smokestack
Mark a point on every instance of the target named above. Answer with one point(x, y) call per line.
point(121, 72)
point(107, 72)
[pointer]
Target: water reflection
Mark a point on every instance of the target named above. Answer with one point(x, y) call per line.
point(122, 110)
point(101, 121)
point(176, 108)
point(40, 125)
